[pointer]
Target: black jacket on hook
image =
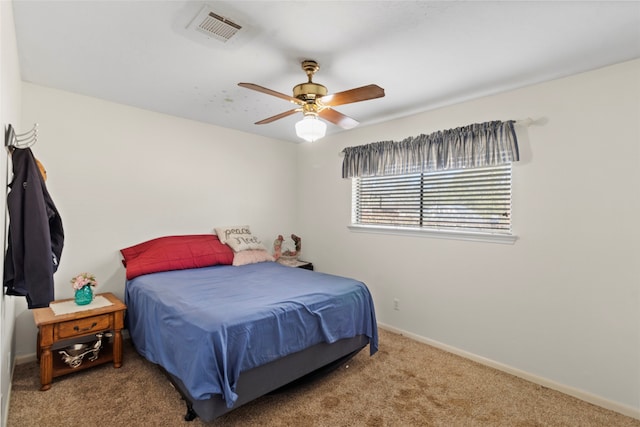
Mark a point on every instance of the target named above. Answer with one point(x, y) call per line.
point(36, 236)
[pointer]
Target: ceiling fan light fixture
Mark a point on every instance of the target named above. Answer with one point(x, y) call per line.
point(310, 128)
point(312, 100)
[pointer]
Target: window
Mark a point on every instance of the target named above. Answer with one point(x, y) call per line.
point(465, 200)
point(454, 183)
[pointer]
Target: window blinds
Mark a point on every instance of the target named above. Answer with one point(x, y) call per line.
point(466, 200)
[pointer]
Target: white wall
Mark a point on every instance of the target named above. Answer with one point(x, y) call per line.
point(9, 114)
point(121, 175)
point(563, 302)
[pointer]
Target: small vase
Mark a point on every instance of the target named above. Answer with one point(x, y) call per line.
point(84, 295)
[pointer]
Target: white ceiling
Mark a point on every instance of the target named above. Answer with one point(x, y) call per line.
point(425, 54)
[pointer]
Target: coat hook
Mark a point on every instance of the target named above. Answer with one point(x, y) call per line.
point(21, 140)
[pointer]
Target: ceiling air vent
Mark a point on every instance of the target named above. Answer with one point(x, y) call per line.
point(215, 26)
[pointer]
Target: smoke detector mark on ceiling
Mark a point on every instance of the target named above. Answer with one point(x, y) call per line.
point(214, 25)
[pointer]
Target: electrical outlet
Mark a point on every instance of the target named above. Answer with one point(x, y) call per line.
point(396, 304)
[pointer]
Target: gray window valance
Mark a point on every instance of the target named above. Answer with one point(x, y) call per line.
point(473, 146)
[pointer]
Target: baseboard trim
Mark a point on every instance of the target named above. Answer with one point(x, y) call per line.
point(5, 410)
point(7, 402)
point(629, 411)
point(26, 358)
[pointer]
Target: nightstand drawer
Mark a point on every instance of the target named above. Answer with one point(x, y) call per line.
point(83, 326)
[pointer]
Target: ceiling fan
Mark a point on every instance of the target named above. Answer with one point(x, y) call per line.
point(313, 102)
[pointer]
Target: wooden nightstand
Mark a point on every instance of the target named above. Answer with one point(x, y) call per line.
point(298, 264)
point(305, 264)
point(53, 329)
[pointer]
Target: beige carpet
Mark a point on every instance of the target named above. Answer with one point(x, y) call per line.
point(405, 384)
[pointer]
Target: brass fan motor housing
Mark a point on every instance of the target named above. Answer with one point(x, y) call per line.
point(309, 91)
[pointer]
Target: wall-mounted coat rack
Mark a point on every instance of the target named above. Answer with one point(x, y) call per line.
point(20, 140)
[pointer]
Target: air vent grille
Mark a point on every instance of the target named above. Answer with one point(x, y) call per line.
point(216, 26)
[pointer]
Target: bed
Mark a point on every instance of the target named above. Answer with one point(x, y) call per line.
point(227, 334)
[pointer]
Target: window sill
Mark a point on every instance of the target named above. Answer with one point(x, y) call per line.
point(506, 239)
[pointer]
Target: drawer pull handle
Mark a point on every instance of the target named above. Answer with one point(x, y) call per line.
point(77, 328)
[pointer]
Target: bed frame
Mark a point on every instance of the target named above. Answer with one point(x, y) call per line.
point(256, 382)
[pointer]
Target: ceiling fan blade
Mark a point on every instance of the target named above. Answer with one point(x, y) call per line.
point(277, 117)
point(337, 118)
point(353, 95)
point(271, 92)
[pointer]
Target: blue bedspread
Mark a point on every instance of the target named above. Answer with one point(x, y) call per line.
point(207, 325)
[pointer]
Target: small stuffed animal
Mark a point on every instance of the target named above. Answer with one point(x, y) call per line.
point(298, 242)
point(277, 247)
point(282, 248)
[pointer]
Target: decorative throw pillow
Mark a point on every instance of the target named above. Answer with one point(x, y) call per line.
point(251, 256)
point(224, 232)
point(239, 238)
point(243, 242)
point(175, 253)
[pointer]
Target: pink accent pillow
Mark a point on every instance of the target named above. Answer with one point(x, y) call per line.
point(251, 256)
point(175, 253)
